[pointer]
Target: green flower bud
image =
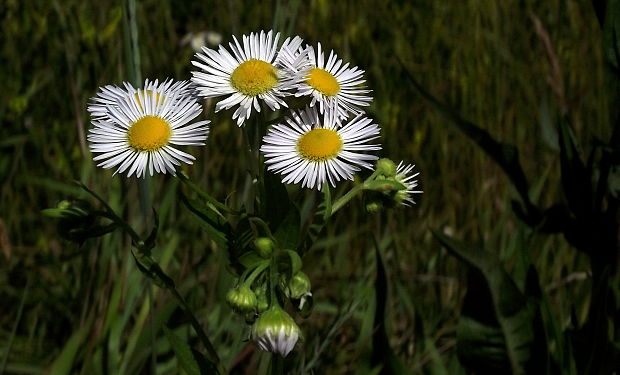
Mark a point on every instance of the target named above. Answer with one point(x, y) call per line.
point(242, 299)
point(262, 303)
point(63, 205)
point(386, 167)
point(275, 331)
point(264, 246)
point(373, 207)
point(297, 286)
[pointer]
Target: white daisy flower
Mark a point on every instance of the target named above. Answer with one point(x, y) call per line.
point(311, 149)
point(135, 128)
point(405, 176)
point(110, 94)
point(334, 86)
point(253, 71)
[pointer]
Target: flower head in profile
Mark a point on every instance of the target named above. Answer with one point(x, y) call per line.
point(332, 84)
point(311, 149)
point(405, 175)
point(255, 71)
point(242, 299)
point(134, 130)
point(275, 331)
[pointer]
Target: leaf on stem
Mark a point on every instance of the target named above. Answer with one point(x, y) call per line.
point(276, 203)
point(287, 233)
point(209, 218)
point(151, 269)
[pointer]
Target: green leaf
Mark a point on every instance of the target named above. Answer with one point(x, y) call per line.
point(114, 16)
point(613, 181)
point(183, 353)
point(64, 213)
point(151, 269)
point(64, 362)
point(295, 261)
point(382, 353)
point(548, 130)
point(239, 242)
point(250, 259)
point(497, 331)
point(611, 33)
point(291, 262)
point(505, 155)
point(209, 218)
point(576, 179)
point(276, 202)
point(287, 233)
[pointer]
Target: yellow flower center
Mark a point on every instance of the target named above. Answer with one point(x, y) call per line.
point(319, 144)
point(147, 95)
point(149, 133)
point(323, 81)
point(254, 77)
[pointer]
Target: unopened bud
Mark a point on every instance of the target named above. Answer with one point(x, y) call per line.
point(298, 286)
point(275, 331)
point(264, 246)
point(373, 207)
point(242, 299)
point(262, 303)
point(386, 167)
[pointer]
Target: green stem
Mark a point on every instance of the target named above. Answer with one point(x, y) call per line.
point(185, 179)
point(151, 318)
point(132, 50)
point(256, 272)
point(132, 58)
point(273, 279)
point(135, 238)
point(144, 196)
point(352, 193)
point(347, 197)
point(251, 163)
point(110, 214)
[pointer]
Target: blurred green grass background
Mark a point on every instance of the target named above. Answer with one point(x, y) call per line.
point(68, 310)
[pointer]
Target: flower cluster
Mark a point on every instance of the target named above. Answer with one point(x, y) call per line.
point(325, 139)
point(135, 130)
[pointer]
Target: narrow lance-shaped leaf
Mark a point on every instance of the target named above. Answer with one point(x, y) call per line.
point(209, 218)
point(576, 180)
point(503, 335)
point(382, 353)
point(505, 155)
